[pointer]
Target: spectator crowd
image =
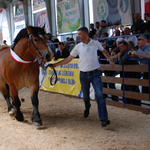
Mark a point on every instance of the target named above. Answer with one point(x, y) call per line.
point(122, 44)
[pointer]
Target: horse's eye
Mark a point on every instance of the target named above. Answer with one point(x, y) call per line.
point(35, 40)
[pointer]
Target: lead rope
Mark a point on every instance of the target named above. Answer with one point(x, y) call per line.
point(43, 64)
point(54, 75)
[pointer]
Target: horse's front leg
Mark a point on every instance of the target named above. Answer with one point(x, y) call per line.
point(37, 121)
point(16, 103)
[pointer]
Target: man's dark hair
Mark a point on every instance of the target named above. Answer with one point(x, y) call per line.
point(101, 41)
point(106, 34)
point(84, 29)
point(97, 23)
point(61, 43)
point(92, 24)
point(103, 21)
point(147, 14)
point(124, 43)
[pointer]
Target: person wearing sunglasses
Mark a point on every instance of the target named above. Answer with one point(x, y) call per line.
point(142, 52)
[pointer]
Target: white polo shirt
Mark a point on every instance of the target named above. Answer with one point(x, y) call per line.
point(88, 59)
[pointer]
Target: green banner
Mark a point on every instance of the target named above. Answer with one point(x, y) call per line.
point(68, 16)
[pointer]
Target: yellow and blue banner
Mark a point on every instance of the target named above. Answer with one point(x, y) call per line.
point(68, 79)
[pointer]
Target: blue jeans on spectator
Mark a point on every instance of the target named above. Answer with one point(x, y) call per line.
point(95, 79)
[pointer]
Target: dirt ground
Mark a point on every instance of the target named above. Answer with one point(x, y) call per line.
point(65, 128)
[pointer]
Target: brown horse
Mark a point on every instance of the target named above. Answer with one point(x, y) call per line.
point(19, 68)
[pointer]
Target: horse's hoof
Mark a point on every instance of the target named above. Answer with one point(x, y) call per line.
point(37, 123)
point(19, 116)
point(12, 112)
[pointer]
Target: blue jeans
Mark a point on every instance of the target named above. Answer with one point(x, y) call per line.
point(95, 79)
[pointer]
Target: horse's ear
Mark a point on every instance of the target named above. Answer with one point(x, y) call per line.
point(43, 27)
point(29, 29)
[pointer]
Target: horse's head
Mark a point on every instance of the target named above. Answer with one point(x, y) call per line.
point(38, 44)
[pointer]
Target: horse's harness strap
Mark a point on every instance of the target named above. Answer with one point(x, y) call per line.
point(42, 64)
point(30, 39)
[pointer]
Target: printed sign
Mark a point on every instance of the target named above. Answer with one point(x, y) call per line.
point(38, 4)
point(68, 79)
point(19, 12)
point(68, 16)
point(113, 11)
point(41, 19)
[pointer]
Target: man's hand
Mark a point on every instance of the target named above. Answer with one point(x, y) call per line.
point(112, 64)
point(51, 66)
point(132, 53)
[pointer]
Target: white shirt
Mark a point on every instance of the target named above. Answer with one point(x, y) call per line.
point(131, 38)
point(88, 60)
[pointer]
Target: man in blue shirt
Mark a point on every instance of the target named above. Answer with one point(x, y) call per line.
point(142, 52)
point(123, 58)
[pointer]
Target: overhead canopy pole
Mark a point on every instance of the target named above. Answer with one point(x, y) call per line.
point(27, 5)
point(84, 12)
point(10, 20)
point(50, 6)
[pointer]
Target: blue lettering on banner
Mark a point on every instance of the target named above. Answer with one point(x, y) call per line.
point(51, 72)
point(20, 26)
point(38, 1)
point(68, 73)
point(62, 80)
point(71, 81)
point(74, 66)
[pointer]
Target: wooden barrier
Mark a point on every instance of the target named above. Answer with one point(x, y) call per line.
point(126, 81)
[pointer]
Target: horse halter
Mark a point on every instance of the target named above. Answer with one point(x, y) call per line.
point(43, 64)
point(30, 39)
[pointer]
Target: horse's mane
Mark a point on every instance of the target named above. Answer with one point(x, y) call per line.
point(23, 33)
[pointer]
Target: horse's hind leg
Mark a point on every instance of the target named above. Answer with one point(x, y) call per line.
point(16, 103)
point(18, 115)
point(5, 90)
point(11, 109)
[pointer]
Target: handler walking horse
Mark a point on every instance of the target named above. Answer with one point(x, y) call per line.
point(19, 68)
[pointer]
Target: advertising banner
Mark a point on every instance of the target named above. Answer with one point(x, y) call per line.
point(113, 11)
point(18, 26)
point(19, 19)
point(40, 19)
point(38, 4)
point(68, 80)
point(68, 16)
point(19, 12)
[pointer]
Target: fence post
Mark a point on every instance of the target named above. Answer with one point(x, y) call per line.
point(124, 99)
point(149, 76)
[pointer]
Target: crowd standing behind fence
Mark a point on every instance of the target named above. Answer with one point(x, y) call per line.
point(120, 33)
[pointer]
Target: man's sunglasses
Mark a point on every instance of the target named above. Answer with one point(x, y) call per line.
point(140, 39)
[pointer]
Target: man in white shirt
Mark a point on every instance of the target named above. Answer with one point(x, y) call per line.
point(89, 72)
point(130, 38)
